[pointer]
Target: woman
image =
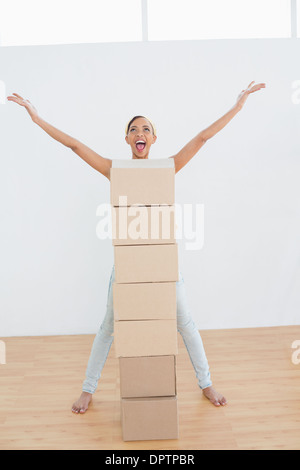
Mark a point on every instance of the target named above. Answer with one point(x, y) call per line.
point(140, 135)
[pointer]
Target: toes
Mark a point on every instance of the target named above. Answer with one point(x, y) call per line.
point(219, 401)
point(214, 397)
point(75, 409)
point(79, 409)
point(223, 401)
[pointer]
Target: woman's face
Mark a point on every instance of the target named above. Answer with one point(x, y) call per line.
point(140, 130)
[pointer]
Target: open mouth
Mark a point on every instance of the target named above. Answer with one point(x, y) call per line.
point(140, 145)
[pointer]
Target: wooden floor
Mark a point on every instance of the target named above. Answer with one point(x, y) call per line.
point(252, 367)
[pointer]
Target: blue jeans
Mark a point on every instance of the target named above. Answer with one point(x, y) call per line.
point(185, 326)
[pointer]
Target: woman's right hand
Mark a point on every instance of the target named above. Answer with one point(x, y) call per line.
point(26, 103)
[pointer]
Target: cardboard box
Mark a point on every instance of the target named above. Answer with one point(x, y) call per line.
point(143, 225)
point(146, 263)
point(153, 376)
point(145, 338)
point(142, 186)
point(149, 418)
point(143, 163)
point(144, 301)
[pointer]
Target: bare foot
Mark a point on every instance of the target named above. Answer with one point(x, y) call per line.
point(216, 398)
point(82, 404)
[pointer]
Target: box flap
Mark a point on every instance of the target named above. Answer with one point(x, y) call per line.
point(144, 163)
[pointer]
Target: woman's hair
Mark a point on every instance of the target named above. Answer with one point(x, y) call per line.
point(134, 118)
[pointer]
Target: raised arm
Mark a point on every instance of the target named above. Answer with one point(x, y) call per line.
point(192, 147)
point(99, 163)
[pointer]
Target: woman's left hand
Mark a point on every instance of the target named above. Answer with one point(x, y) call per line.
point(241, 99)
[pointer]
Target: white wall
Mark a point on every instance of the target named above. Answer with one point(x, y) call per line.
point(54, 270)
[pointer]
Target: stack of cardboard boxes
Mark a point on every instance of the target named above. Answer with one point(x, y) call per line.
point(144, 296)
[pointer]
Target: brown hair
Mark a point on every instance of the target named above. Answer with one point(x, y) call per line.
point(136, 117)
